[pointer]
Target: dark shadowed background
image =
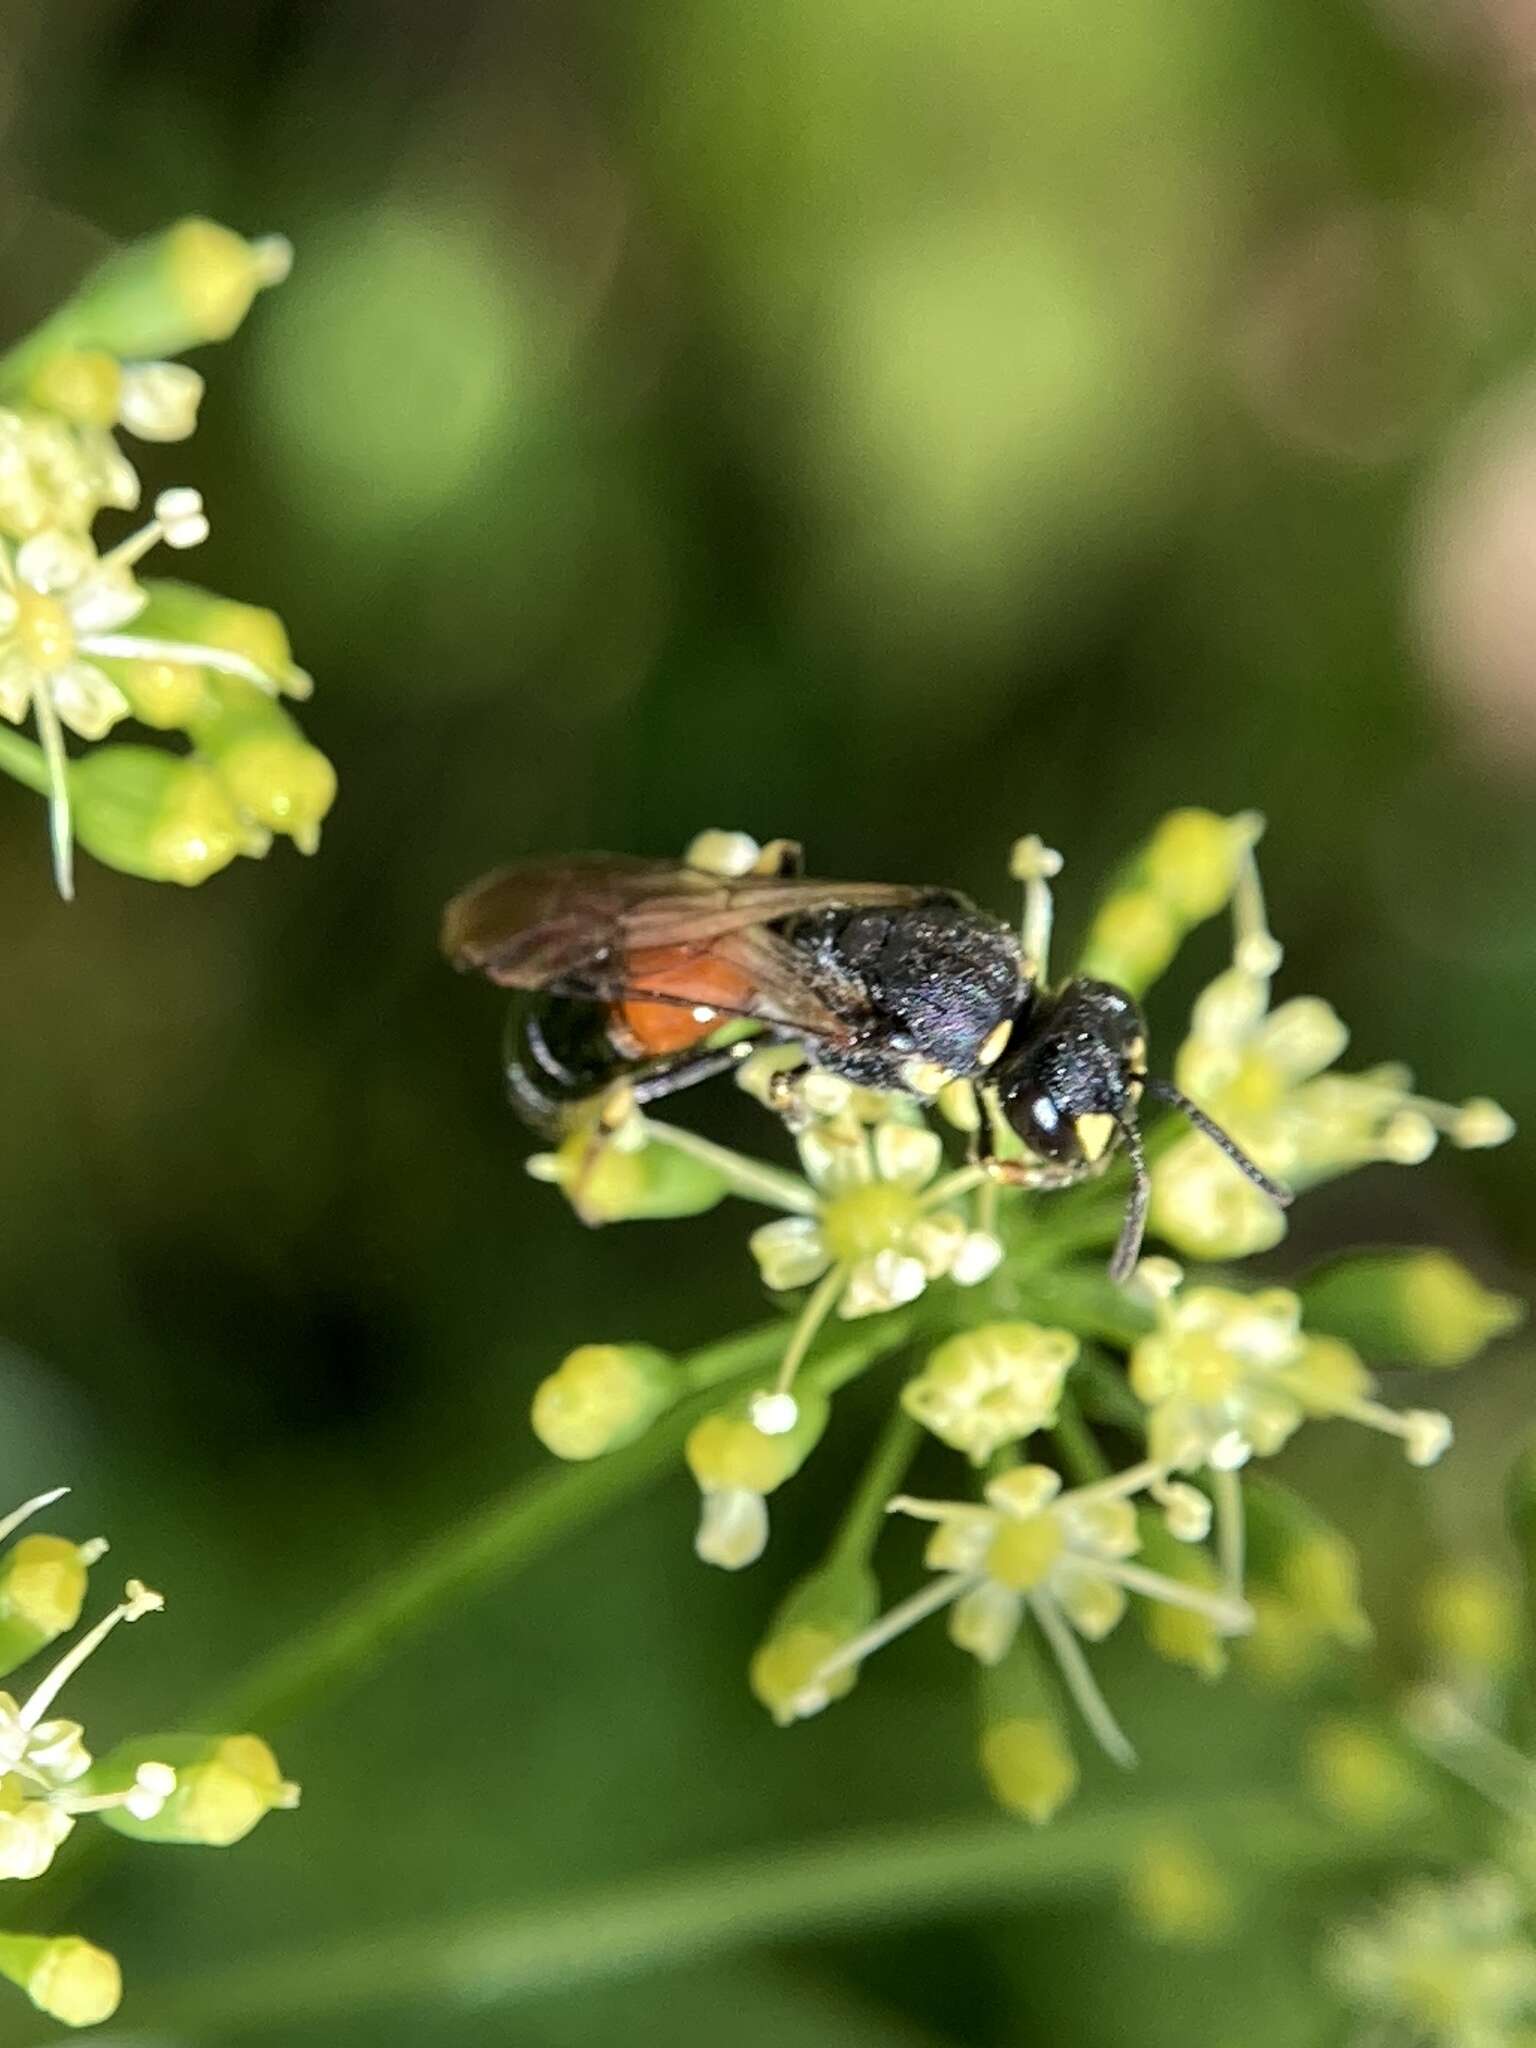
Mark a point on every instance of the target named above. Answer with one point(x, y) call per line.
point(894, 425)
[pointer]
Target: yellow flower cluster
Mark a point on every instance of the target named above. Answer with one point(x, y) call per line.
point(85, 644)
point(1020, 1344)
point(174, 1788)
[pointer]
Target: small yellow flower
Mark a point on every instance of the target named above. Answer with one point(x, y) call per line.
point(873, 1219)
point(1228, 1376)
point(1262, 1074)
point(991, 1386)
point(53, 475)
point(62, 611)
point(1448, 1964)
point(1066, 1559)
point(42, 1759)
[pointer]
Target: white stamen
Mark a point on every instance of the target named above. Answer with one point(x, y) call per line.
point(1231, 1529)
point(1081, 1683)
point(938, 1593)
point(1232, 1617)
point(28, 1509)
point(775, 1414)
point(137, 1600)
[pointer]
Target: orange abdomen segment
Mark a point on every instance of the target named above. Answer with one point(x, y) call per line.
point(699, 980)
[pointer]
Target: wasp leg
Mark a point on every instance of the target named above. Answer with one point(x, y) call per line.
point(1036, 1176)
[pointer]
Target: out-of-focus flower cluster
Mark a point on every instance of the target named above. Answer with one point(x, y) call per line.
point(206, 1789)
point(86, 642)
point(1013, 1356)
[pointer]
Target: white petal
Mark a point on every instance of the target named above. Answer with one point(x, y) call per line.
point(733, 1528)
point(790, 1251)
point(9, 609)
point(888, 1280)
point(835, 1157)
point(88, 701)
point(985, 1621)
point(977, 1259)
point(910, 1154)
point(53, 561)
point(102, 603)
point(159, 401)
point(17, 680)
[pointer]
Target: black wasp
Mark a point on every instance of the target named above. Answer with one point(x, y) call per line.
point(632, 967)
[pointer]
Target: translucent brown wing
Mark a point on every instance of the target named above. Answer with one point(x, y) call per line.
point(580, 919)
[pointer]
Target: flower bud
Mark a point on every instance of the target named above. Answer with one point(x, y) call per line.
point(1179, 1634)
point(224, 1784)
point(189, 284)
point(606, 1182)
point(71, 1980)
point(272, 772)
point(991, 1385)
point(1470, 1615)
point(737, 1465)
point(1023, 1747)
point(165, 817)
point(167, 695)
point(1299, 1560)
point(727, 1450)
point(42, 1589)
point(84, 386)
point(826, 1609)
point(1176, 1893)
point(1408, 1308)
point(1360, 1776)
point(1186, 871)
point(186, 612)
point(603, 1396)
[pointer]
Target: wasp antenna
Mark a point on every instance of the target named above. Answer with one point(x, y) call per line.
point(1133, 1228)
point(1164, 1091)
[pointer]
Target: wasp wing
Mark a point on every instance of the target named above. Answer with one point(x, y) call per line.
point(578, 919)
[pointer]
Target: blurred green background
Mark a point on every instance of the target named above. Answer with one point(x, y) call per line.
point(892, 425)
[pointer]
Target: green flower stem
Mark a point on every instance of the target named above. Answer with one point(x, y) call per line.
point(1084, 1299)
point(837, 1886)
point(1075, 1443)
point(1101, 1385)
point(512, 1531)
point(22, 761)
point(753, 1180)
point(819, 1304)
point(860, 1528)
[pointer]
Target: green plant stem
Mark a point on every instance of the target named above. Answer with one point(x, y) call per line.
point(1083, 1298)
point(22, 761)
point(882, 1476)
point(1076, 1444)
point(830, 1887)
point(752, 1179)
point(510, 1533)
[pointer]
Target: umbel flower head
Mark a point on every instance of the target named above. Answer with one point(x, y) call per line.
point(1227, 1376)
point(174, 1788)
point(1006, 1346)
point(68, 661)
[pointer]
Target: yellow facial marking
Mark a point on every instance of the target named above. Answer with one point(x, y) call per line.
point(1095, 1134)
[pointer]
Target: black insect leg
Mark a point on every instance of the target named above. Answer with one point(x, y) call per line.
point(1035, 1176)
